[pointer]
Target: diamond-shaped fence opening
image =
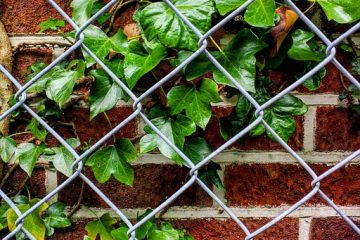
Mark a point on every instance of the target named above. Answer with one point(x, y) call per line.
point(77, 166)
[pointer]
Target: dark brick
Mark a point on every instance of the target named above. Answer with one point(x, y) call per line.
point(36, 184)
point(215, 140)
point(332, 229)
point(276, 184)
point(26, 57)
point(337, 129)
point(210, 229)
point(153, 184)
point(24, 16)
point(92, 131)
point(75, 232)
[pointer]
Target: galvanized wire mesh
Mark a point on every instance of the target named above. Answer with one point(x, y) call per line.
point(20, 97)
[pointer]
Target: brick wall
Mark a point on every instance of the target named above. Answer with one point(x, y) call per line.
point(261, 179)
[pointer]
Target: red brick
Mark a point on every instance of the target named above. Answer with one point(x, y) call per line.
point(26, 57)
point(332, 229)
point(153, 184)
point(211, 229)
point(75, 232)
point(212, 135)
point(276, 184)
point(92, 131)
point(337, 129)
point(24, 16)
point(36, 184)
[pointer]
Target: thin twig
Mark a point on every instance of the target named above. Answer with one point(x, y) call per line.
point(117, 9)
point(78, 204)
point(110, 125)
point(20, 187)
point(343, 82)
point(8, 174)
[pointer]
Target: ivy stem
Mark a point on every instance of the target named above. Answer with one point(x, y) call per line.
point(310, 7)
point(78, 204)
point(19, 133)
point(216, 45)
point(343, 82)
point(65, 37)
point(110, 125)
point(162, 94)
point(8, 174)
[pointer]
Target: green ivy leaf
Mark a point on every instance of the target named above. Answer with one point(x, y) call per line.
point(82, 10)
point(101, 227)
point(174, 129)
point(301, 50)
point(355, 66)
point(210, 175)
point(238, 58)
point(55, 216)
point(313, 82)
point(225, 6)
point(342, 11)
point(280, 117)
point(167, 232)
point(290, 105)
point(51, 24)
point(61, 85)
point(7, 149)
point(261, 13)
point(37, 129)
point(194, 100)
point(121, 233)
point(197, 149)
point(33, 222)
point(114, 160)
point(62, 158)
point(158, 21)
point(101, 45)
point(27, 154)
point(105, 93)
point(141, 61)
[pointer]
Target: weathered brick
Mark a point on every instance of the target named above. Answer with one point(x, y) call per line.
point(24, 16)
point(332, 229)
point(153, 184)
point(36, 184)
point(211, 229)
point(337, 129)
point(276, 184)
point(26, 57)
point(212, 135)
point(91, 131)
point(75, 232)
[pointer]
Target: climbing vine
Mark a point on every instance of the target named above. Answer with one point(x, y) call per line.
point(267, 36)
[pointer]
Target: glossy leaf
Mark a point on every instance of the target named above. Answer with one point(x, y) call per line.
point(82, 10)
point(197, 149)
point(342, 11)
point(27, 154)
point(37, 129)
point(174, 129)
point(290, 105)
point(112, 161)
point(101, 227)
point(7, 149)
point(62, 158)
point(120, 233)
point(238, 58)
point(138, 63)
point(105, 93)
point(194, 100)
point(55, 216)
point(61, 85)
point(158, 21)
point(301, 50)
point(210, 175)
point(261, 13)
point(225, 6)
point(355, 66)
point(314, 81)
point(33, 222)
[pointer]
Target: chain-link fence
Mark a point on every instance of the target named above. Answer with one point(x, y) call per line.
point(20, 97)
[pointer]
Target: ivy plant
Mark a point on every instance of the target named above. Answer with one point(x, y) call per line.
point(182, 109)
